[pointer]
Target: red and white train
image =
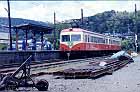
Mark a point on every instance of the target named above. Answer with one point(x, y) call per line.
point(77, 39)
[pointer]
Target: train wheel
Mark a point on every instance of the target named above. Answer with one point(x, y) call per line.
point(42, 85)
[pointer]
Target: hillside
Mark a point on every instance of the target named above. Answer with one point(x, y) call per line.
point(116, 23)
point(18, 21)
point(108, 22)
point(122, 24)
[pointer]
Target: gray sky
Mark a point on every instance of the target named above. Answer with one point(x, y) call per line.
point(43, 10)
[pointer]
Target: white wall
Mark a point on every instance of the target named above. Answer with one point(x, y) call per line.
point(4, 37)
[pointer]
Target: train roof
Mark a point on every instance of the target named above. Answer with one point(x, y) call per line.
point(73, 29)
point(86, 31)
point(79, 30)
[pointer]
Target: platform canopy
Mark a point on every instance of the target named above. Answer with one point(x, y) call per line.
point(34, 27)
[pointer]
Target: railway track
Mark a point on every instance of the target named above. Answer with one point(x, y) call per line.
point(94, 69)
point(40, 66)
point(3, 66)
point(90, 69)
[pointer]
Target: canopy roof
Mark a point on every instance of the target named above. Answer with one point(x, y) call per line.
point(34, 27)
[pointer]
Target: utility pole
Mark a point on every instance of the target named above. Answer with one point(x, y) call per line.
point(9, 19)
point(82, 17)
point(136, 42)
point(54, 31)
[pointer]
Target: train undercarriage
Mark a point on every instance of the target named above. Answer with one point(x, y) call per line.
point(85, 54)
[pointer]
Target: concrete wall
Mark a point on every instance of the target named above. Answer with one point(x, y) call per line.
point(7, 57)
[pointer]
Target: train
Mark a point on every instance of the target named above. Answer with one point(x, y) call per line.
point(78, 40)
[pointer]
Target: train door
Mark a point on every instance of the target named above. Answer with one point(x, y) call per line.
point(89, 42)
point(86, 39)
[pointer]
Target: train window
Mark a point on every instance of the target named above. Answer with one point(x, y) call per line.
point(76, 37)
point(115, 42)
point(106, 41)
point(88, 38)
point(95, 39)
point(98, 40)
point(92, 39)
point(65, 38)
point(85, 38)
point(109, 41)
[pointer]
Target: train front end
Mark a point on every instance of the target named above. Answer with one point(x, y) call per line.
point(69, 38)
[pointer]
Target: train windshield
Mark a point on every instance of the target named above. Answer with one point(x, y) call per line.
point(65, 38)
point(76, 37)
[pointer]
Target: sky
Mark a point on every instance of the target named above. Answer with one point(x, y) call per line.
point(65, 10)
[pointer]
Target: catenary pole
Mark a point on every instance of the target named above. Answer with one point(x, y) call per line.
point(9, 20)
point(136, 44)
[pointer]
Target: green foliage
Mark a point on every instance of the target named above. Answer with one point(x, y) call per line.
point(3, 46)
point(61, 26)
point(127, 45)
